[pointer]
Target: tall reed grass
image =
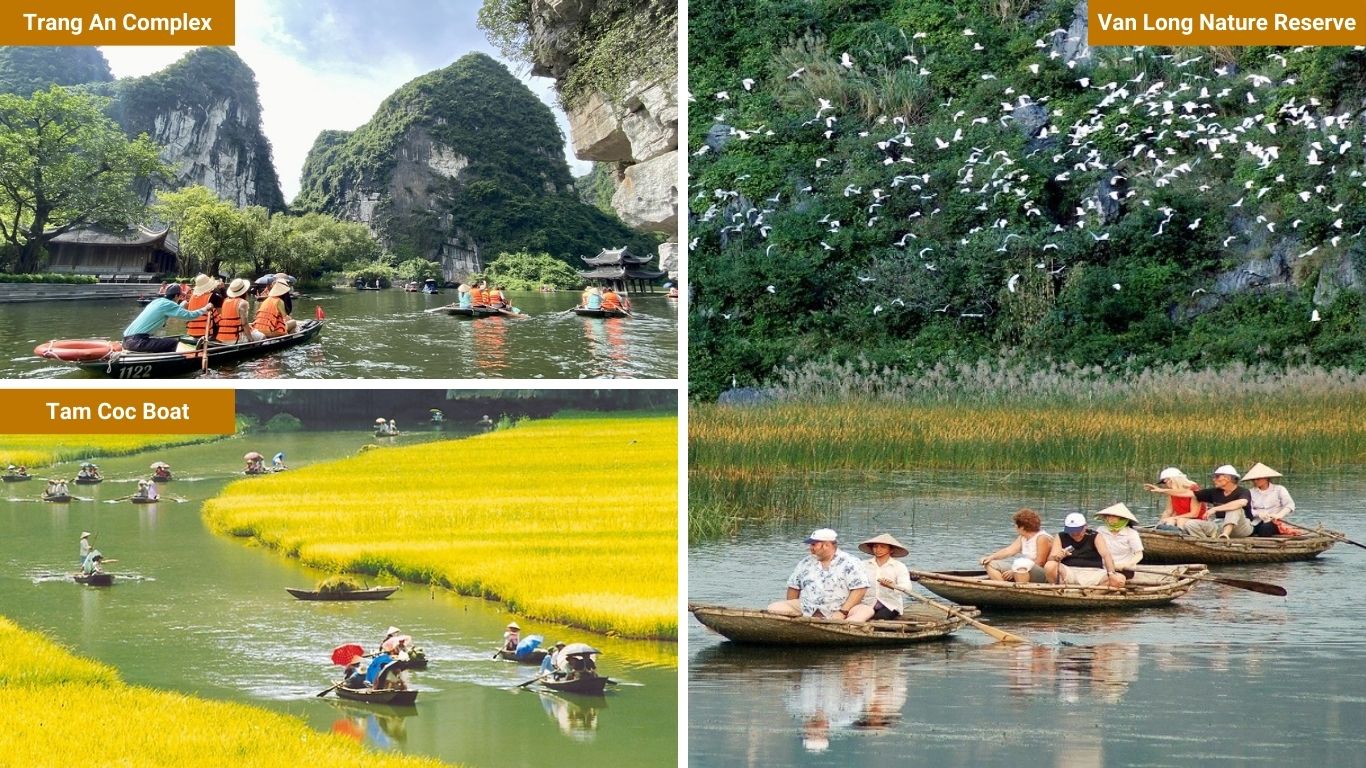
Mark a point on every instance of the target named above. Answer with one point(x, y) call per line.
point(572, 520)
point(1005, 417)
point(43, 450)
point(63, 710)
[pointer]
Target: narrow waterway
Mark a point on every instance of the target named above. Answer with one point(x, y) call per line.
point(388, 334)
point(208, 615)
point(1222, 676)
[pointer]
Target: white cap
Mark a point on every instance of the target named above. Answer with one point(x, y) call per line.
point(1021, 564)
point(1169, 473)
point(1074, 522)
point(822, 534)
point(1227, 469)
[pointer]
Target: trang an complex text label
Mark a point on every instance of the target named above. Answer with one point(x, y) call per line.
point(1167, 22)
point(118, 22)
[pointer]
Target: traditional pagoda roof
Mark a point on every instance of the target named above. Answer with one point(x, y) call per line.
point(139, 235)
point(615, 256)
point(619, 273)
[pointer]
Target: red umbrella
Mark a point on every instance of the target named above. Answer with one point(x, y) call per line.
point(343, 654)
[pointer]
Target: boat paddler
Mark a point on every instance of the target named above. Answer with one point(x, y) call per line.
point(85, 546)
point(137, 337)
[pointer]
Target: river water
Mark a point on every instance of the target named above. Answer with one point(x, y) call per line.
point(388, 335)
point(1221, 677)
point(198, 613)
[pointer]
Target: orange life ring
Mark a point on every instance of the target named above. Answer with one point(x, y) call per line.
point(77, 350)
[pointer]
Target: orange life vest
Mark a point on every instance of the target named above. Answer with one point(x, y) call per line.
point(610, 300)
point(478, 296)
point(230, 321)
point(496, 297)
point(197, 326)
point(270, 317)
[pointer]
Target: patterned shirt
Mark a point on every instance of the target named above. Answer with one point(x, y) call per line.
point(825, 589)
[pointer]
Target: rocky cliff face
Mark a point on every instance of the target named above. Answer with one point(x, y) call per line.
point(205, 113)
point(203, 110)
point(615, 66)
point(458, 166)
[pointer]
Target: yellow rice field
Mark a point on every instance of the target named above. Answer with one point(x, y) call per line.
point(62, 710)
point(570, 520)
point(42, 450)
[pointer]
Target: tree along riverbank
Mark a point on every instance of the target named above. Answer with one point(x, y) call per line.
point(60, 705)
point(570, 520)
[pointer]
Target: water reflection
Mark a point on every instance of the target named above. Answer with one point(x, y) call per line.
point(490, 345)
point(861, 691)
point(577, 718)
point(381, 729)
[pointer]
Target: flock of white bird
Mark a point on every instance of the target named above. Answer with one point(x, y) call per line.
point(1139, 137)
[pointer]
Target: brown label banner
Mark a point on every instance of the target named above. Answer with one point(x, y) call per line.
point(120, 412)
point(1226, 22)
point(118, 22)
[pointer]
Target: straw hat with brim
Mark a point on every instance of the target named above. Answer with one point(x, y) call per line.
point(1117, 510)
point(86, 534)
point(594, 291)
point(390, 632)
point(279, 288)
point(202, 285)
point(380, 420)
point(898, 550)
point(1261, 471)
point(513, 625)
point(238, 287)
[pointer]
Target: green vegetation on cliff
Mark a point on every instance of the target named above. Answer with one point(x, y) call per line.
point(909, 181)
point(25, 69)
point(463, 150)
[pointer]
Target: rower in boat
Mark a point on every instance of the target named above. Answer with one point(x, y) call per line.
point(277, 462)
point(486, 424)
point(147, 491)
point(255, 463)
point(613, 301)
point(553, 662)
point(13, 473)
point(93, 563)
point(56, 488)
point(438, 417)
point(137, 337)
point(465, 296)
point(512, 636)
point(89, 473)
point(592, 298)
point(85, 547)
point(161, 472)
point(1271, 503)
point(498, 300)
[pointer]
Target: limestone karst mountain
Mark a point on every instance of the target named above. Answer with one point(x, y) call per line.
point(457, 166)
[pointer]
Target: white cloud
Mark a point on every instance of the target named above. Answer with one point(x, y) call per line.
point(302, 94)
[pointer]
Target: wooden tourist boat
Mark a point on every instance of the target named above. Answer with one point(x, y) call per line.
point(99, 579)
point(585, 312)
point(16, 478)
point(373, 593)
point(534, 657)
point(1164, 547)
point(584, 686)
point(89, 480)
point(919, 623)
point(121, 364)
point(143, 500)
point(393, 697)
point(1148, 587)
point(59, 499)
point(479, 312)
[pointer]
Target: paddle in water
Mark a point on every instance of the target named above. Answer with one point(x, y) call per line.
point(999, 634)
point(1329, 534)
point(535, 679)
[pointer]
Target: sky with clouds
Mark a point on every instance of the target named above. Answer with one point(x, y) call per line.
point(329, 64)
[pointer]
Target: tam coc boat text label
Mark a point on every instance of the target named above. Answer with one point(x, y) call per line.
point(119, 22)
point(125, 411)
point(1221, 22)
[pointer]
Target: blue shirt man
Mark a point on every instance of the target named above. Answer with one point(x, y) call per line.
point(137, 337)
point(377, 664)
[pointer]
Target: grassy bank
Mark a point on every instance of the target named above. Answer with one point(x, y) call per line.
point(43, 450)
point(59, 708)
point(750, 462)
point(571, 519)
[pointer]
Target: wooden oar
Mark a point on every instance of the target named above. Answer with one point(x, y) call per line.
point(1251, 586)
point(495, 653)
point(1329, 534)
point(334, 687)
point(999, 634)
point(439, 309)
point(535, 679)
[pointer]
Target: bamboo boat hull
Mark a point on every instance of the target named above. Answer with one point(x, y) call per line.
point(94, 579)
point(583, 312)
point(16, 478)
point(1162, 547)
point(146, 365)
point(63, 499)
point(143, 500)
point(1150, 587)
point(374, 593)
point(89, 480)
point(533, 658)
point(763, 628)
point(584, 686)
point(391, 697)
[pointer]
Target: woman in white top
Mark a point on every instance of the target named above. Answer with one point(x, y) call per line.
point(1024, 559)
point(1270, 502)
point(882, 602)
point(1126, 548)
